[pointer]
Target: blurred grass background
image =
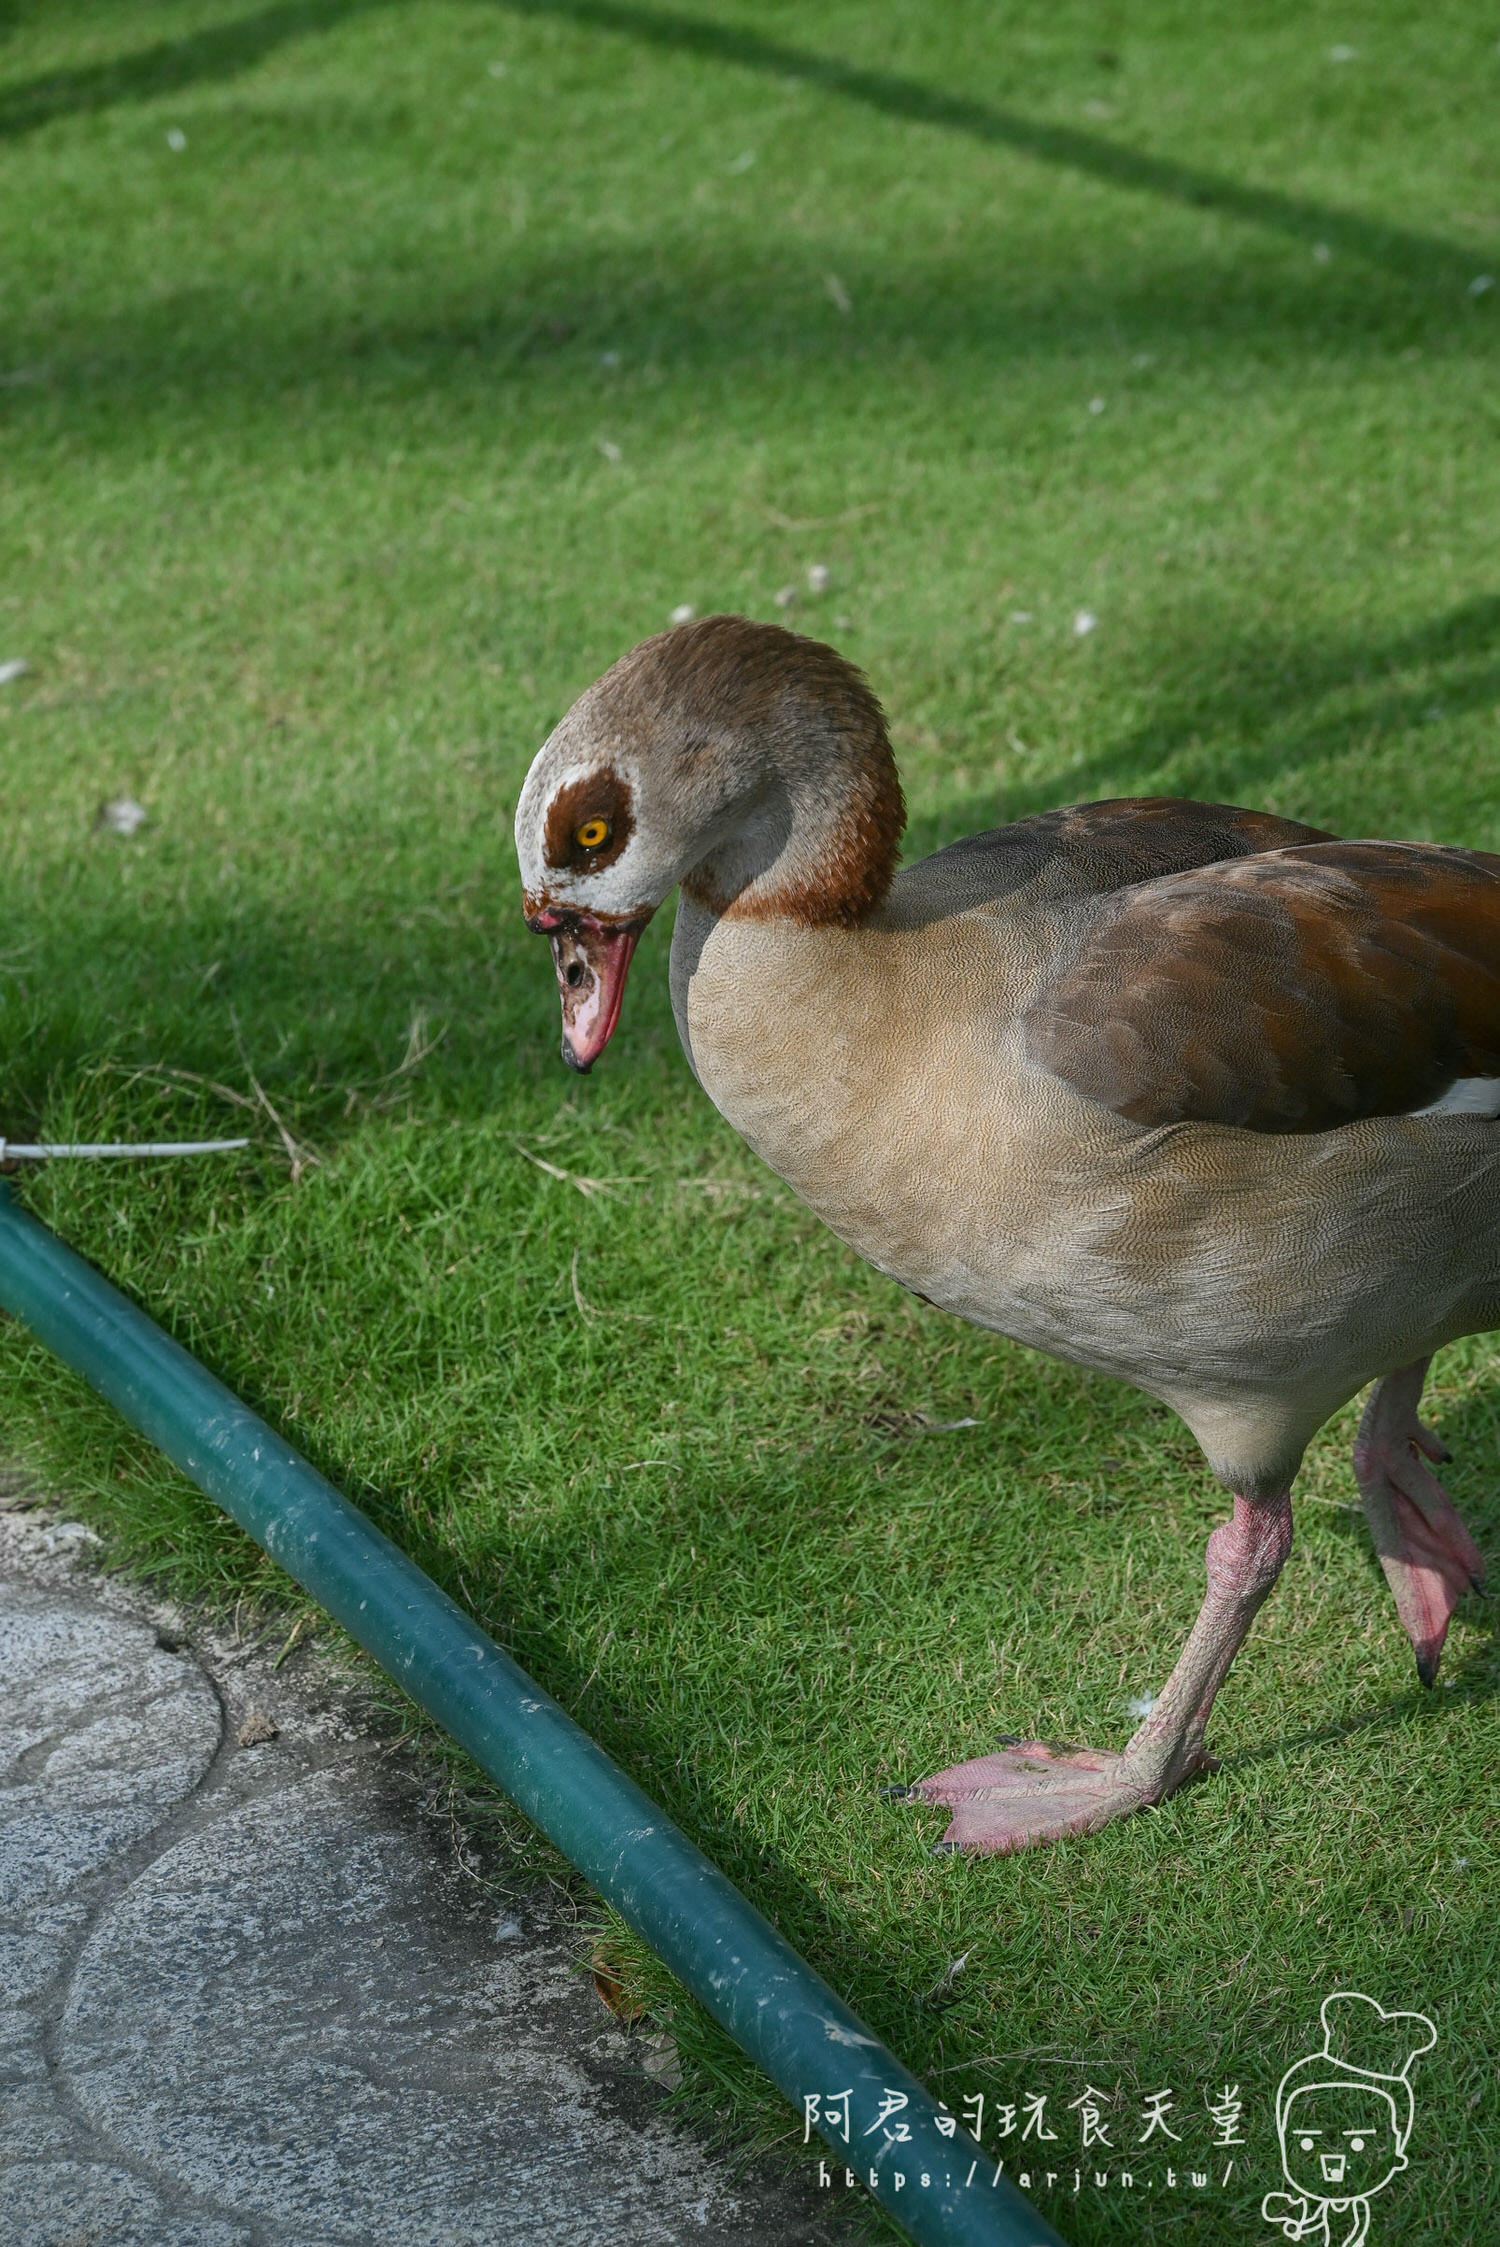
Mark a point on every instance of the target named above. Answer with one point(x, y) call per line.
point(370, 376)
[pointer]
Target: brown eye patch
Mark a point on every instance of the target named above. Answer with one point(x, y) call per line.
point(599, 805)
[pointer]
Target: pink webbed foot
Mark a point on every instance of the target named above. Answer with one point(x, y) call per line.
point(1029, 1793)
point(1425, 1549)
point(1033, 1791)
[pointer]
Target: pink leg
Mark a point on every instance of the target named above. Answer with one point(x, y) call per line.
point(1031, 1793)
point(1429, 1558)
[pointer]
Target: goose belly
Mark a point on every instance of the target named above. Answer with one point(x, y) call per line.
point(932, 1148)
point(1198, 1262)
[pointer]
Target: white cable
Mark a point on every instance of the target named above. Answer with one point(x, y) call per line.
point(43, 1151)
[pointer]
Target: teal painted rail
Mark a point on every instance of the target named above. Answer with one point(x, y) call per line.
point(716, 1943)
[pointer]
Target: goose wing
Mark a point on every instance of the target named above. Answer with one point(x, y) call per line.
point(1088, 850)
point(1289, 991)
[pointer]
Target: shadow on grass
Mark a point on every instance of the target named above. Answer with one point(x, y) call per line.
point(536, 320)
point(1472, 1431)
point(745, 332)
point(322, 1006)
point(223, 51)
point(208, 57)
point(320, 1021)
point(1416, 1705)
point(508, 1584)
point(1418, 257)
point(1275, 710)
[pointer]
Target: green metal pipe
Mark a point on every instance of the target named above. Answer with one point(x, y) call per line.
point(716, 1943)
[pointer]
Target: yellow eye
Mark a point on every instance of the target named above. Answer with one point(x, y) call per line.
point(592, 835)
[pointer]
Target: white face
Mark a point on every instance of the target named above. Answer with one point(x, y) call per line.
point(591, 877)
point(585, 836)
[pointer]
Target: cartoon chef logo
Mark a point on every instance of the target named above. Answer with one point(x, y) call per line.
point(1343, 2116)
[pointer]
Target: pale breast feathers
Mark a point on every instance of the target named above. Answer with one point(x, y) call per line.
point(1291, 991)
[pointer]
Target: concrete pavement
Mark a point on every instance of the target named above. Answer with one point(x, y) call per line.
point(254, 1994)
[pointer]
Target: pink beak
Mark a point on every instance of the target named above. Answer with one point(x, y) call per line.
point(592, 957)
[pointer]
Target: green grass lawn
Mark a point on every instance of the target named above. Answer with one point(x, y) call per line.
point(371, 375)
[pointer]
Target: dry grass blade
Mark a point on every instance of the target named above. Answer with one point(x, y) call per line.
point(299, 1155)
point(892, 1420)
point(293, 1636)
point(420, 1043)
point(819, 522)
point(159, 1073)
point(588, 1187)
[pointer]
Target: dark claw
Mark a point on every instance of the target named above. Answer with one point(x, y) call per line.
point(1007, 1739)
point(945, 1849)
point(897, 1794)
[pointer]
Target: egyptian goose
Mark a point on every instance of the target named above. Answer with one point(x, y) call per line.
point(1197, 1096)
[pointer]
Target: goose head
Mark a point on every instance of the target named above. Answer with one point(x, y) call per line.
point(740, 761)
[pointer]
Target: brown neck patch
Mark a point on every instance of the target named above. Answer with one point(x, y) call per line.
point(602, 796)
point(828, 741)
point(856, 863)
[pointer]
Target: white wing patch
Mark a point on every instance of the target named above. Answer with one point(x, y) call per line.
point(1466, 1096)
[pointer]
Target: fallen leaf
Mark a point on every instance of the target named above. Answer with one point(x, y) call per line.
point(611, 1972)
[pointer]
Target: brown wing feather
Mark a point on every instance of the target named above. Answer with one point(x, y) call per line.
point(1133, 839)
point(1099, 847)
point(1292, 991)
